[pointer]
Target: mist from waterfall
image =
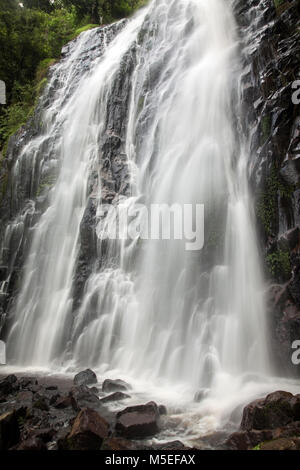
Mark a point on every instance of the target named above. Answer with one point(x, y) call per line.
point(151, 310)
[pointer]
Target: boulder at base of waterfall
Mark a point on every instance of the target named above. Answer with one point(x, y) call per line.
point(138, 422)
point(277, 409)
point(9, 430)
point(246, 440)
point(41, 404)
point(117, 396)
point(117, 444)
point(162, 410)
point(85, 377)
point(66, 402)
point(115, 386)
point(84, 397)
point(9, 385)
point(25, 398)
point(273, 418)
point(281, 444)
point(27, 382)
point(88, 431)
point(34, 443)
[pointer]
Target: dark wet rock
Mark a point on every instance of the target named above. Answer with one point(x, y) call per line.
point(117, 444)
point(214, 441)
point(88, 249)
point(281, 444)
point(84, 397)
point(162, 410)
point(138, 422)
point(55, 397)
point(27, 382)
point(3, 273)
point(9, 385)
point(36, 389)
point(290, 239)
point(38, 418)
point(85, 377)
point(88, 432)
point(277, 409)
point(115, 385)
point(271, 418)
point(52, 388)
point(66, 402)
point(117, 396)
point(41, 404)
point(245, 440)
point(285, 322)
point(32, 444)
point(9, 430)
point(46, 435)
point(25, 398)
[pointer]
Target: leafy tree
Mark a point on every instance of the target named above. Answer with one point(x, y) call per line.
point(45, 5)
point(89, 9)
point(32, 36)
point(108, 10)
point(6, 5)
point(27, 38)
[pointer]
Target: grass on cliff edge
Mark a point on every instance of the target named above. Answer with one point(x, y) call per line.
point(78, 31)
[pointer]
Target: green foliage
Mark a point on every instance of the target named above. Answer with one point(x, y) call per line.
point(31, 39)
point(43, 68)
point(82, 29)
point(44, 5)
point(14, 116)
point(279, 264)
point(85, 9)
point(40, 87)
point(107, 10)
point(277, 3)
point(267, 201)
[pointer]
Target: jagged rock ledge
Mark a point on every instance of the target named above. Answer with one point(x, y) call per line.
point(271, 423)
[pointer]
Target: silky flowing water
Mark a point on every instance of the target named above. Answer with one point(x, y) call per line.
point(171, 322)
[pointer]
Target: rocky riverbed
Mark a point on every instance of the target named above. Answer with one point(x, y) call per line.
point(55, 413)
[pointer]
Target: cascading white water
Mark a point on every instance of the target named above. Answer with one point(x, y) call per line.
point(172, 318)
point(44, 305)
point(157, 312)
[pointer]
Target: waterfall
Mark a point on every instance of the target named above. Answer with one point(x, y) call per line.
point(153, 117)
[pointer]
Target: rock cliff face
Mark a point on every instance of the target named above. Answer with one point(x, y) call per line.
point(270, 46)
point(272, 120)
